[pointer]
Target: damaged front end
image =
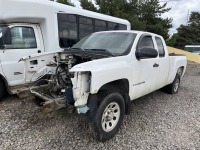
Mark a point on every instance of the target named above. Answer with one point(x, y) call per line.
point(64, 88)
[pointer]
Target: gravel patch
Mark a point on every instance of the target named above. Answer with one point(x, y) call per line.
point(157, 121)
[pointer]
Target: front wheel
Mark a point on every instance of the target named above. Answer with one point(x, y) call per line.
point(109, 116)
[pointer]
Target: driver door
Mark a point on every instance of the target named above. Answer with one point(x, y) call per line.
point(146, 71)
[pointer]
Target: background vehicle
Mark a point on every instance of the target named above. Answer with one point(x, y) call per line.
point(102, 73)
point(35, 26)
point(193, 48)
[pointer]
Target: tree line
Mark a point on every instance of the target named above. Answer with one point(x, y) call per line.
point(145, 15)
point(187, 34)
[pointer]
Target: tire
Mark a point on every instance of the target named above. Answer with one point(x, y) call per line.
point(174, 86)
point(2, 90)
point(109, 116)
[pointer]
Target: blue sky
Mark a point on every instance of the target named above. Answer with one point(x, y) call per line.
point(179, 11)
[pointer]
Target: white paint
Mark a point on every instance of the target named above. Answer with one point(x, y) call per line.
point(192, 45)
point(81, 88)
point(33, 71)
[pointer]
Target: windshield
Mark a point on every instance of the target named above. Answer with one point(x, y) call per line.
point(116, 43)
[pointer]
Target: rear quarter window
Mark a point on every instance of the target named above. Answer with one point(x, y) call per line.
point(161, 49)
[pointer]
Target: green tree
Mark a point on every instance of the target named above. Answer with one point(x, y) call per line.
point(150, 12)
point(111, 7)
point(187, 34)
point(142, 14)
point(66, 2)
point(88, 5)
point(195, 18)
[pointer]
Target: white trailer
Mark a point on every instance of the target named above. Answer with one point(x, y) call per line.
point(40, 26)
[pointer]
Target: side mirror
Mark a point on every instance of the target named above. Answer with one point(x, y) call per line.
point(146, 53)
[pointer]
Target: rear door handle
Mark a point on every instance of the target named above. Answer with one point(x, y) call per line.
point(39, 51)
point(156, 65)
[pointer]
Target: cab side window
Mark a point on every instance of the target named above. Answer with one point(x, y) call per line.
point(22, 38)
point(146, 42)
point(161, 49)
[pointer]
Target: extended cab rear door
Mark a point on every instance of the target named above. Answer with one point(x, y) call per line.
point(163, 61)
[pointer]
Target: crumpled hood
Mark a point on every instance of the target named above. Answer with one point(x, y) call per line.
point(100, 64)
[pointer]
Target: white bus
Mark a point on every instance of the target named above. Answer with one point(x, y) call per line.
point(35, 26)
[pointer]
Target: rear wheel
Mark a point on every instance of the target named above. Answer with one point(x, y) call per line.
point(109, 116)
point(174, 86)
point(2, 90)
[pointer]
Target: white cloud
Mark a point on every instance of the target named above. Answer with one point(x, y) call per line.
point(179, 11)
point(77, 3)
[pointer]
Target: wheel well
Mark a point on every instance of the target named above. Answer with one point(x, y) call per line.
point(2, 78)
point(180, 70)
point(121, 86)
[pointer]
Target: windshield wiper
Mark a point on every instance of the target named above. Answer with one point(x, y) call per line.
point(101, 50)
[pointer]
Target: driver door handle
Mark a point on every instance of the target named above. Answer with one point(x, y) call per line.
point(156, 65)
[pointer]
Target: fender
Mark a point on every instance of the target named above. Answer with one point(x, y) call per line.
point(175, 64)
point(105, 70)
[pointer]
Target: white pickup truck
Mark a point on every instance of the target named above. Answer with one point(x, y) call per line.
point(101, 74)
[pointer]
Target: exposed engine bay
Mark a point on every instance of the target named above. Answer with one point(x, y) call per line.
point(65, 88)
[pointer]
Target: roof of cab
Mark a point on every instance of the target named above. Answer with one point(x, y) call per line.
point(130, 31)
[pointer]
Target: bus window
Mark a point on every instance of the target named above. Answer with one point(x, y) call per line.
point(122, 27)
point(113, 26)
point(67, 27)
point(100, 25)
point(85, 27)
